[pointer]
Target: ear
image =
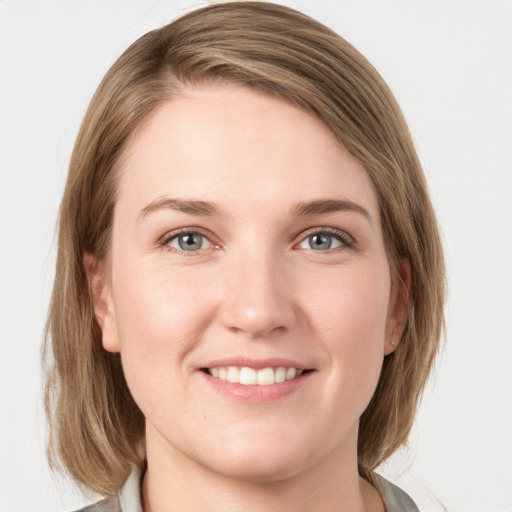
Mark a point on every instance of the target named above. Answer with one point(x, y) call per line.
point(102, 303)
point(398, 307)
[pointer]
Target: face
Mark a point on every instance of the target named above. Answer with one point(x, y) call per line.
point(249, 292)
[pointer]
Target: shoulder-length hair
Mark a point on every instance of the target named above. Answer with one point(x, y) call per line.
point(95, 425)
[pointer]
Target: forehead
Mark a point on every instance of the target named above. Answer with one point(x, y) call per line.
point(222, 142)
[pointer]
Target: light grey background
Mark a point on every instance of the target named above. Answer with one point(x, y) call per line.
point(449, 63)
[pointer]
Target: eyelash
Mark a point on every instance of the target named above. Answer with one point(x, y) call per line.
point(168, 237)
point(346, 240)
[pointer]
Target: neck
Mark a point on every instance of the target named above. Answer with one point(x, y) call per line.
point(175, 482)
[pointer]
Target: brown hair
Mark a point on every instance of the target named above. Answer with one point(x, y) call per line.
point(95, 425)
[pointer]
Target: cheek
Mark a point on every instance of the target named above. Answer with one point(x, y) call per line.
point(351, 306)
point(160, 313)
point(348, 314)
point(161, 318)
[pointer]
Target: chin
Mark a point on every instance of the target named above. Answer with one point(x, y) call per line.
point(259, 460)
point(259, 469)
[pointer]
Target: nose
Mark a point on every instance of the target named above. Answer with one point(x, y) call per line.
point(258, 296)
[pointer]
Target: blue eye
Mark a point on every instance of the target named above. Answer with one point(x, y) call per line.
point(189, 242)
point(321, 241)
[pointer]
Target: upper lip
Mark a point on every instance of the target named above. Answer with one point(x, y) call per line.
point(257, 364)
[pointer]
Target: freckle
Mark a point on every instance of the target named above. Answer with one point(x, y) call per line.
point(204, 417)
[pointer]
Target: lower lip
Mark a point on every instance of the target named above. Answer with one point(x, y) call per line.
point(257, 394)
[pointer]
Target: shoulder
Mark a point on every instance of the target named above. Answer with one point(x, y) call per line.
point(108, 505)
point(127, 500)
point(395, 500)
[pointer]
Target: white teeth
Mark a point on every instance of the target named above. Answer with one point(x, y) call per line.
point(290, 373)
point(266, 377)
point(251, 377)
point(280, 375)
point(233, 374)
point(248, 376)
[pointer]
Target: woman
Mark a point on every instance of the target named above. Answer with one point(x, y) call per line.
point(249, 287)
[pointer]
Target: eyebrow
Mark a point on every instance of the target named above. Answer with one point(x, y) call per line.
point(190, 206)
point(321, 206)
point(198, 207)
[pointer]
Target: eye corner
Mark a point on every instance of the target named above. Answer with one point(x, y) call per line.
point(328, 240)
point(189, 241)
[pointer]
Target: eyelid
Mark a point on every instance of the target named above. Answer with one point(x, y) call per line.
point(348, 240)
point(164, 240)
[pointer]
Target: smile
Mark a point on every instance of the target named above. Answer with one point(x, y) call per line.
point(251, 377)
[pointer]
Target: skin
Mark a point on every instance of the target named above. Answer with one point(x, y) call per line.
point(256, 288)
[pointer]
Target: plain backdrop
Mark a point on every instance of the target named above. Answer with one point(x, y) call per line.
point(449, 62)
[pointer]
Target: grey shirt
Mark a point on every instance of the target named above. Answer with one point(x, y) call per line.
point(129, 500)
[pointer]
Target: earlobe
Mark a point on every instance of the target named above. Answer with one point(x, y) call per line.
point(398, 307)
point(102, 303)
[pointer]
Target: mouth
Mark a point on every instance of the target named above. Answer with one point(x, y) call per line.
point(248, 376)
